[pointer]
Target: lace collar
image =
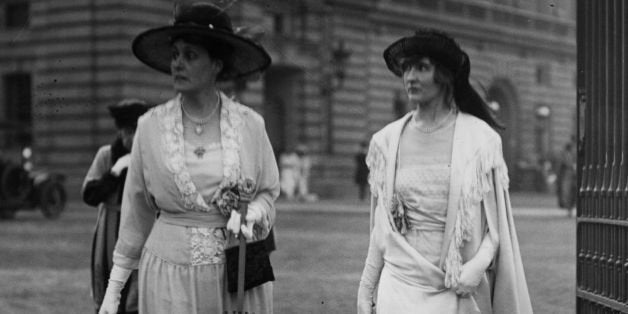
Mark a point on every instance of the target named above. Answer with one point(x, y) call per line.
point(170, 116)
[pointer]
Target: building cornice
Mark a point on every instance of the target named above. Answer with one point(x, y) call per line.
point(487, 30)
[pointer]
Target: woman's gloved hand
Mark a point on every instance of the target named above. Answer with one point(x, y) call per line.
point(370, 277)
point(253, 216)
point(365, 300)
point(473, 270)
point(470, 277)
point(121, 164)
point(233, 225)
point(117, 280)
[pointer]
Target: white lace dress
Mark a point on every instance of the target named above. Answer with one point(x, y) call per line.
point(422, 184)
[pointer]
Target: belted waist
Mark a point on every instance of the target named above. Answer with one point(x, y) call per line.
point(194, 219)
point(423, 220)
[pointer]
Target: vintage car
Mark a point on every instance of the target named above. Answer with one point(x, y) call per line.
point(22, 185)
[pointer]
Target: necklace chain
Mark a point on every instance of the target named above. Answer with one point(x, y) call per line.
point(437, 126)
point(202, 121)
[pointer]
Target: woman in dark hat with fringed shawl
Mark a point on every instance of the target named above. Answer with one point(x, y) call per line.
point(103, 187)
point(442, 234)
point(187, 151)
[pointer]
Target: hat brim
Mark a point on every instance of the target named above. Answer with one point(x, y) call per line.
point(440, 51)
point(153, 48)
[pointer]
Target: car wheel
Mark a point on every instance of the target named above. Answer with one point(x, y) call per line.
point(7, 213)
point(52, 199)
point(14, 183)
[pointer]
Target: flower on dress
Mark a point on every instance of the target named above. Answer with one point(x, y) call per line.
point(231, 193)
point(227, 198)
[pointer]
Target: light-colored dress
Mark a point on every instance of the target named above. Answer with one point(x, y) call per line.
point(289, 163)
point(422, 189)
point(422, 185)
point(180, 255)
point(400, 274)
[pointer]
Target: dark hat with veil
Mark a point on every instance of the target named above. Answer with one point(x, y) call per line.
point(446, 52)
point(431, 43)
point(240, 55)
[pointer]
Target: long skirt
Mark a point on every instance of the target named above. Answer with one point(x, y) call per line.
point(414, 283)
point(103, 243)
point(182, 270)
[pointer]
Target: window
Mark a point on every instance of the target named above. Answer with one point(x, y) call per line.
point(17, 108)
point(16, 15)
point(543, 74)
point(278, 23)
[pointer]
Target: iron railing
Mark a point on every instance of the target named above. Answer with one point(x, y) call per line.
point(602, 222)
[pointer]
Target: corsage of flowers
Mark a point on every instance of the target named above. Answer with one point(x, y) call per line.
point(231, 193)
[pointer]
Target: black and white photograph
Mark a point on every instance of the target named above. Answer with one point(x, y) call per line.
point(313, 156)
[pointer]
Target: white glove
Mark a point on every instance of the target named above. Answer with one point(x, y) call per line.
point(117, 280)
point(367, 289)
point(369, 280)
point(474, 269)
point(253, 216)
point(122, 163)
point(233, 225)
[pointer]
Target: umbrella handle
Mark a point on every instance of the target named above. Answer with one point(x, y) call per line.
point(243, 206)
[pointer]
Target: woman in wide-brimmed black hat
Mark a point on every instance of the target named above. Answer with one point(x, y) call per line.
point(102, 187)
point(188, 155)
point(442, 237)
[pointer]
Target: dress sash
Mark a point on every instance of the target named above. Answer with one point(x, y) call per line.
point(407, 275)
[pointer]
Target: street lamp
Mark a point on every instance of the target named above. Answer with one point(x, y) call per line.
point(493, 105)
point(543, 112)
point(333, 79)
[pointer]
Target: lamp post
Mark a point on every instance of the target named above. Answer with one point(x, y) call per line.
point(333, 80)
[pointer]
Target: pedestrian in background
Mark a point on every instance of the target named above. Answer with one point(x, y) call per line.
point(188, 154)
point(442, 234)
point(361, 170)
point(289, 167)
point(102, 187)
point(304, 167)
point(566, 179)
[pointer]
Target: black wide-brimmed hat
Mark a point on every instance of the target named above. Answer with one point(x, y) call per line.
point(428, 43)
point(444, 50)
point(126, 112)
point(209, 22)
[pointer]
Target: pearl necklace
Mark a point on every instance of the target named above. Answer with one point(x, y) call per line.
point(437, 126)
point(202, 121)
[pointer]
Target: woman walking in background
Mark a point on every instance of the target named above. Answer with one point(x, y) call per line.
point(103, 187)
point(361, 170)
point(566, 179)
point(442, 234)
point(188, 154)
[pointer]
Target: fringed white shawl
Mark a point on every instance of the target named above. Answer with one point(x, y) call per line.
point(477, 168)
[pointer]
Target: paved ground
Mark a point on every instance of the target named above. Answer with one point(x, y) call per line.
point(524, 204)
point(322, 246)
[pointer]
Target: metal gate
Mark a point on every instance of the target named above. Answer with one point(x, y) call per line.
point(602, 244)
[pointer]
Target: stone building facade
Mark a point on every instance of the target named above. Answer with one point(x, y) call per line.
point(328, 86)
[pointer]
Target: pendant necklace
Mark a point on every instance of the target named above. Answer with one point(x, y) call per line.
point(199, 123)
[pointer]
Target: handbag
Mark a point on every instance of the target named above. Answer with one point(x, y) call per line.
point(257, 270)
